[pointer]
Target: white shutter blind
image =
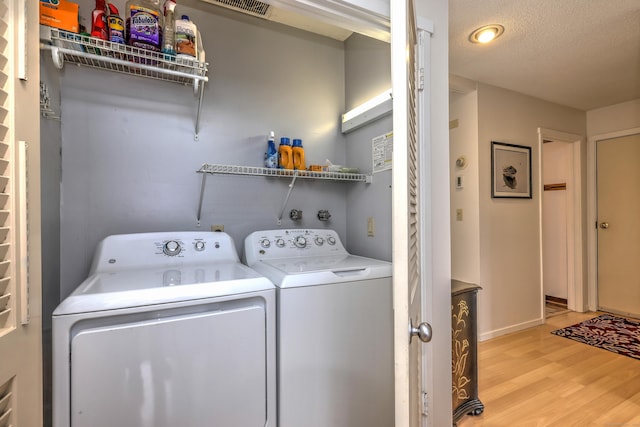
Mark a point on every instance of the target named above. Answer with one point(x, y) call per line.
point(7, 287)
point(412, 149)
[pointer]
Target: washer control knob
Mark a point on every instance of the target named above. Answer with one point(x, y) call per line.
point(172, 248)
point(280, 243)
point(265, 243)
point(199, 245)
point(300, 242)
point(331, 240)
point(319, 241)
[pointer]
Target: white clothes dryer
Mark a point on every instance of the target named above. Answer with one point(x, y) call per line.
point(169, 329)
point(334, 330)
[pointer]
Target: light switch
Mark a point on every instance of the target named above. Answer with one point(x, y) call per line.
point(458, 214)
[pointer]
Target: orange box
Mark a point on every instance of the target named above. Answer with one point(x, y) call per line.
point(59, 14)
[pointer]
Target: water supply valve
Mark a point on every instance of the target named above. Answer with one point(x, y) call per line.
point(324, 215)
point(295, 214)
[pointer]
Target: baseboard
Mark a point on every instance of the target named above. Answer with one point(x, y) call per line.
point(509, 329)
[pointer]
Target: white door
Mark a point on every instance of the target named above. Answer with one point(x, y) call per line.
point(20, 321)
point(618, 180)
point(408, 211)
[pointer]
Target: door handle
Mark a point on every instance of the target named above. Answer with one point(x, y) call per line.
point(423, 331)
point(604, 225)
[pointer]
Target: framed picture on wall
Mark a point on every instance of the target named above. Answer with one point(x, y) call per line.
point(510, 171)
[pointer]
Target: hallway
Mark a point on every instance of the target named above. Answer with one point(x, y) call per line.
point(533, 378)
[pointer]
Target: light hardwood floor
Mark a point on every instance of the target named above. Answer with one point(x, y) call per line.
point(534, 378)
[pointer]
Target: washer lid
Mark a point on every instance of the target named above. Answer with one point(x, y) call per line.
point(320, 270)
point(144, 287)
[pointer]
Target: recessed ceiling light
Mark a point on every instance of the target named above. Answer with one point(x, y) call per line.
point(486, 34)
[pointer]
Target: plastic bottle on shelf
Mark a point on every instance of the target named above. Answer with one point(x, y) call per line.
point(186, 35)
point(99, 27)
point(116, 25)
point(144, 21)
point(271, 155)
point(169, 33)
point(286, 154)
point(298, 155)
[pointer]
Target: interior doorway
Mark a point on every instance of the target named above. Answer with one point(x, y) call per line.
point(557, 192)
point(561, 222)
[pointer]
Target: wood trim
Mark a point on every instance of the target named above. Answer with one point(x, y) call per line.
point(555, 187)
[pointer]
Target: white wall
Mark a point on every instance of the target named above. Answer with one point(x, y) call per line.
point(367, 74)
point(613, 118)
point(510, 238)
point(465, 234)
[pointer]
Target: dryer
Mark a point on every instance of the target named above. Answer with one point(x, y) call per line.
point(334, 329)
point(169, 329)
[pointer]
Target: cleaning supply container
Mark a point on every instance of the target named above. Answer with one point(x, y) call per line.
point(116, 25)
point(186, 35)
point(286, 153)
point(271, 155)
point(144, 20)
point(298, 155)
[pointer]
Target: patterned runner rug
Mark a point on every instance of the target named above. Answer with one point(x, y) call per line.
point(608, 332)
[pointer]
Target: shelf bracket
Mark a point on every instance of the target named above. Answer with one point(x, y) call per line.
point(286, 199)
point(200, 97)
point(204, 180)
point(57, 57)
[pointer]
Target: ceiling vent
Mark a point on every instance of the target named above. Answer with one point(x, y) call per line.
point(251, 7)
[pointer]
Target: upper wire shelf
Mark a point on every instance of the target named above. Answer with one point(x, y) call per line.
point(92, 52)
point(282, 173)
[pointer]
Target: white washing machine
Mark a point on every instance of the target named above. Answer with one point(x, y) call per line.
point(169, 329)
point(335, 329)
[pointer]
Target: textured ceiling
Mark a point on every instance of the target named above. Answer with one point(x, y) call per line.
point(579, 53)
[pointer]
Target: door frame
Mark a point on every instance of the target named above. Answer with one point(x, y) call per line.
point(575, 291)
point(592, 211)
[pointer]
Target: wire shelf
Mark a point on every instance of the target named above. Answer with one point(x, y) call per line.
point(282, 173)
point(96, 53)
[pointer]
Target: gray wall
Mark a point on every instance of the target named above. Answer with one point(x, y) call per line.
point(367, 74)
point(129, 157)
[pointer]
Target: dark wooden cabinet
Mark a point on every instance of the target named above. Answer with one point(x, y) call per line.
point(464, 345)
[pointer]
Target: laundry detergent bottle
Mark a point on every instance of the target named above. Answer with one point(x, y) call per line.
point(286, 154)
point(298, 155)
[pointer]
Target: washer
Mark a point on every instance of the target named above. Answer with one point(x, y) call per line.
point(334, 333)
point(169, 329)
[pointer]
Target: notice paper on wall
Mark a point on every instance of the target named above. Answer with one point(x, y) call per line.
point(382, 148)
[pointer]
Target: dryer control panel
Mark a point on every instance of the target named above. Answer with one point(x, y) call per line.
point(291, 243)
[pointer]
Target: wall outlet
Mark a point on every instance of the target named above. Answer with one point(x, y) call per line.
point(371, 227)
point(217, 227)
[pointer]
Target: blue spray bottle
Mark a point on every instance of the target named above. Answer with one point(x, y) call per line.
point(271, 156)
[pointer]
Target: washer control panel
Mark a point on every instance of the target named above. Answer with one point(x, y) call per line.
point(270, 244)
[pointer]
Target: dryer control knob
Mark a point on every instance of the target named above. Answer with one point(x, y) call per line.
point(280, 243)
point(265, 243)
point(172, 248)
point(331, 240)
point(319, 241)
point(300, 241)
point(199, 245)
